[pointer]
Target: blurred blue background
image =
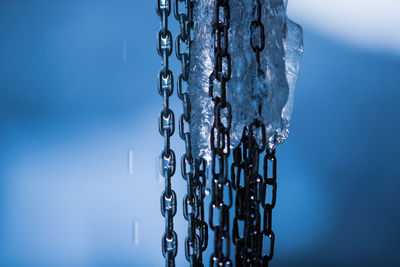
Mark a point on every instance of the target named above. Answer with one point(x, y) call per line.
point(78, 92)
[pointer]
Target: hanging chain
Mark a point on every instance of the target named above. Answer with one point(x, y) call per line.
point(268, 205)
point(251, 187)
point(167, 129)
point(248, 187)
point(257, 42)
point(221, 198)
point(251, 191)
point(193, 170)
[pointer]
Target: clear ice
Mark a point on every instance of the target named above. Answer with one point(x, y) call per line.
point(267, 97)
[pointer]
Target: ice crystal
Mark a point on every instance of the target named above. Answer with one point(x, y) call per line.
point(267, 97)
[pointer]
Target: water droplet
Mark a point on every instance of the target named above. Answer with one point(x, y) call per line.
point(124, 46)
point(135, 232)
point(131, 156)
point(158, 176)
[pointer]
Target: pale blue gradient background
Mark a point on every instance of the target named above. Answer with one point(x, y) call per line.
point(71, 108)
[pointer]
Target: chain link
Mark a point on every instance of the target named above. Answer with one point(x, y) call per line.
point(247, 182)
point(252, 198)
point(269, 182)
point(251, 187)
point(166, 127)
point(221, 190)
point(193, 170)
point(257, 42)
point(252, 195)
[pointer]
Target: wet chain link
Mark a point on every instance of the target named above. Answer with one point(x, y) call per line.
point(268, 184)
point(252, 198)
point(257, 33)
point(221, 189)
point(259, 185)
point(250, 229)
point(166, 127)
point(193, 170)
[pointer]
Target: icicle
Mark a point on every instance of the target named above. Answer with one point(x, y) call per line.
point(268, 97)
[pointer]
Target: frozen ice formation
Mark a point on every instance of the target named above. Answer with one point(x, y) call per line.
point(268, 97)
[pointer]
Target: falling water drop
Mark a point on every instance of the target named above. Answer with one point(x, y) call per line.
point(135, 232)
point(131, 156)
point(158, 176)
point(124, 45)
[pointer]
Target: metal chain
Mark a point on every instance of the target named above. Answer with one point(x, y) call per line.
point(248, 189)
point(193, 170)
point(257, 43)
point(268, 205)
point(251, 191)
point(220, 139)
point(167, 128)
point(269, 158)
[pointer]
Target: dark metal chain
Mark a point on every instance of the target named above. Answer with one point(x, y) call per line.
point(257, 34)
point(247, 182)
point(257, 42)
point(167, 129)
point(193, 170)
point(251, 187)
point(268, 184)
point(221, 190)
point(251, 191)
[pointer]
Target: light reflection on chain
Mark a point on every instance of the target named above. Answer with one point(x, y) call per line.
point(167, 128)
point(220, 139)
point(193, 170)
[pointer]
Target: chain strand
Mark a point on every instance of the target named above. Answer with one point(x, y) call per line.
point(251, 198)
point(251, 187)
point(221, 195)
point(193, 170)
point(248, 189)
point(269, 158)
point(167, 129)
point(269, 182)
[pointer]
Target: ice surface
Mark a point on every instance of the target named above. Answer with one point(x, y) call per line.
point(267, 97)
